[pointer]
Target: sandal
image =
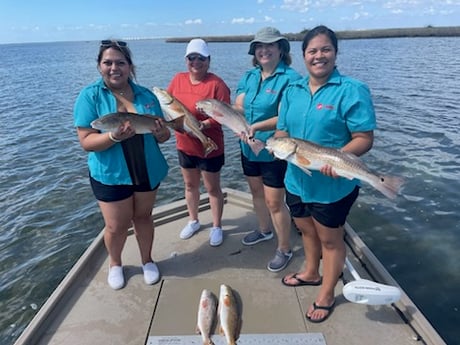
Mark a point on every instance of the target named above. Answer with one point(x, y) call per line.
point(300, 282)
point(329, 309)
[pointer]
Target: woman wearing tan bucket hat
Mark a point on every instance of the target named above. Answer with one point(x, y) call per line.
point(258, 95)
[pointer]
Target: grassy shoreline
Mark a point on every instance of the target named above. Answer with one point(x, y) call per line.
point(429, 31)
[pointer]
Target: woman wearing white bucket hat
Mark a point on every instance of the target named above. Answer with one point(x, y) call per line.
point(258, 94)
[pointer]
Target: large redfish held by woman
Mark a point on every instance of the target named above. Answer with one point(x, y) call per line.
point(227, 116)
point(175, 111)
point(310, 156)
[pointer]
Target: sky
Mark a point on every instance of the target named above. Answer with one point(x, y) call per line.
point(23, 21)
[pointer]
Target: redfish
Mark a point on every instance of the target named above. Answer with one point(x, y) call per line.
point(141, 123)
point(230, 322)
point(207, 310)
point(227, 116)
point(310, 156)
point(175, 111)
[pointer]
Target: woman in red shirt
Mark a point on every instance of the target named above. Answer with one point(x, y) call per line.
point(188, 88)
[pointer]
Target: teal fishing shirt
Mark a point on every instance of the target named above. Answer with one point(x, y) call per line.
point(328, 118)
point(109, 166)
point(261, 102)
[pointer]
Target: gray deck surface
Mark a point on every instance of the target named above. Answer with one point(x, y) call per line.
point(166, 313)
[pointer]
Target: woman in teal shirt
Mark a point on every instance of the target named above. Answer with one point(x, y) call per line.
point(258, 95)
point(125, 168)
point(335, 111)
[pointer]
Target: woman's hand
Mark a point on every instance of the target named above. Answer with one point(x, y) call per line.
point(123, 132)
point(160, 131)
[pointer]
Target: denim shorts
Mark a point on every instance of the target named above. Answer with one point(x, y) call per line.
point(213, 164)
point(110, 193)
point(272, 172)
point(332, 215)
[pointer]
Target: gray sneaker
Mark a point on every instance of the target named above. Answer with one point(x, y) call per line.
point(256, 236)
point(280, 261)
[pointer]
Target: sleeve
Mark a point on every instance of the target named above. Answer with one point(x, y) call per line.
point(222, 91)
point(241, 87)
point(360, 112)
point(84, 110)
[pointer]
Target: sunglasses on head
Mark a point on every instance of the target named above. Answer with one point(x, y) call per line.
point(106, 43)
point(194, 57)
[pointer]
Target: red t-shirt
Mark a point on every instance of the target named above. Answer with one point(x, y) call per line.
point(188, 94)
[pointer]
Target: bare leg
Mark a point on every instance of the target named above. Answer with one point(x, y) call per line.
point(312, 250)
point(258, 199)
point(333, 251)
point(281, 218)
point(143, 223)
point(117, 217)
point(216, 198)
point(192, 191)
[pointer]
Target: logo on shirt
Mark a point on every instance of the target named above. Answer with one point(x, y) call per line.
point(273, 92)
point(321, 106)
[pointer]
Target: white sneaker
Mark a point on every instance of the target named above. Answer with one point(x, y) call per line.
point(151, 273)
point(188, 231)
point(216, 237)
point(116, 278)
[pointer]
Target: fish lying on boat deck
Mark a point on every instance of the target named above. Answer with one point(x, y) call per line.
point(141, 123)
point(230, 321)
point(310, 156)
point(175, 110)
point(207, 310)
point(227, 116)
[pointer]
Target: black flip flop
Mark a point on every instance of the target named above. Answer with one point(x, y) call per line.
point(329, 309)
point(301, 282)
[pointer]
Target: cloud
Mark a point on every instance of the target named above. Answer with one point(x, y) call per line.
point(243, 20)
point(193, 21)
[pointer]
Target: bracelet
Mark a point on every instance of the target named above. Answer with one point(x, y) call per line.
point(113, 139)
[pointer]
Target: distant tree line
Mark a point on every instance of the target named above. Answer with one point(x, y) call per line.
point(428, 31)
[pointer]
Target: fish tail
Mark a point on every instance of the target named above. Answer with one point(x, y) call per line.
point(209, 146)
point(389, 185)
point(256, 146)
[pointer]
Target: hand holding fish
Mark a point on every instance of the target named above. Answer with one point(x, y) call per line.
point(122, 132)
point(160, 131)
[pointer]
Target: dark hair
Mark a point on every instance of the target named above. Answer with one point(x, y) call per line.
point(320, 30)
point(122, 47)
point(285, 56)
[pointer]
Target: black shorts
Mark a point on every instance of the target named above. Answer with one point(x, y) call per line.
point(213, 164)
point(331, 215)
point(272, 172)
point(109, 193)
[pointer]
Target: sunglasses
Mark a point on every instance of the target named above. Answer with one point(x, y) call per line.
point(195, 57)
point(107, 43)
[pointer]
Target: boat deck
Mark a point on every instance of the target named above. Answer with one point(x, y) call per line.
point(84, 310)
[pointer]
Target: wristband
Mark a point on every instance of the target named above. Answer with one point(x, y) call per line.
point(113, 139)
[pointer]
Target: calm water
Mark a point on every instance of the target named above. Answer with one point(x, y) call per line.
point(49, 216)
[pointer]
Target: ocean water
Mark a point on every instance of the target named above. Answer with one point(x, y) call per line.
point(48, 215)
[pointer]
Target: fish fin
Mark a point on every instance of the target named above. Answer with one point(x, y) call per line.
point(209, 146)
point(303, 160)
point(300, 166)
point(256, 146)
point(389, 185)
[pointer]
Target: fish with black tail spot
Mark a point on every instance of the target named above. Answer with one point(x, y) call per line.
point(309, 156)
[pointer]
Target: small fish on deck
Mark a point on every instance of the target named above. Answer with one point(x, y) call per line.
point(230, 320)
point(310, 156)
point(175, 111)
point(141, 123)
point(207, 312)
point(227, 116)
